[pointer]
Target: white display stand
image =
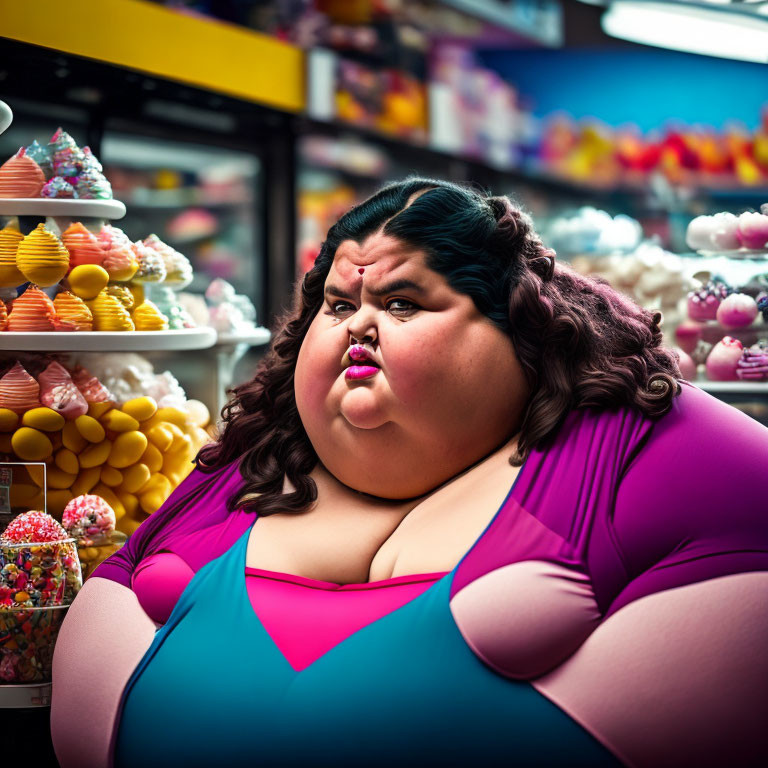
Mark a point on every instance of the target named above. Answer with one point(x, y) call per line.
point(62, 209)
point(108, 341)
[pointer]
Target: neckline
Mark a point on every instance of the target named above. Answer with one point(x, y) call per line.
point(249, 570)
point(305, 581)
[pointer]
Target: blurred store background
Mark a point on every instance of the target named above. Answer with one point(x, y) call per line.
point(238, 131)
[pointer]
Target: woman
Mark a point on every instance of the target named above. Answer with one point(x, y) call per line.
point(465, 512)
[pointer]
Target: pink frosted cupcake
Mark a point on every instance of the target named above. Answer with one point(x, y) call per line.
point(703, 304)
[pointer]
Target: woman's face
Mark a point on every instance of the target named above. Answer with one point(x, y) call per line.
point(441, 389)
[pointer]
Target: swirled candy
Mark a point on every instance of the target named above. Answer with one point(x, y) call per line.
point(42, 258)
point(21, 176)
point(10, 237)
point(66, 157)
point(109, 314)
point(19, 392)
point(83, 246)
point(151, 266)
point(59, 393)
point(33, 311)
point(147, 317)
point(72, 313)
point(58, 187)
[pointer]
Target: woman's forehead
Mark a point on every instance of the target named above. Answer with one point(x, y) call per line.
point(377, 254)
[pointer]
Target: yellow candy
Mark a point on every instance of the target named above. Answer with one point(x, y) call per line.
point(118, 421)
point(86, 480)
point(135, 478)
point(129, 525)
point(30, 445)
point(86, 554)
point(36, 474)
point(127, 449)
point(66, 460)
point(199, 414)
point(90, 429)
point(72, 438)
point(59, 479)
point(95, 455)
point(110, 497)
point(152, 458)
point(140, 408)
point(97, 410)
point(43, 418)
point(111, 476)
point(174, 415)
point(161, 436)
point(6, 446)
point(8, 420)
point(57, 500)
point(88, 280)
point(22, 494)
point(129, 501)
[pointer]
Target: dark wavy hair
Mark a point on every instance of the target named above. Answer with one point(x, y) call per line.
point(580, 343)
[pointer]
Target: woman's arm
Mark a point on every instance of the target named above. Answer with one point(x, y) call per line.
point(103, 638)
point(677, 678)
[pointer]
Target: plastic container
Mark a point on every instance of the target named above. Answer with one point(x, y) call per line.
point(39, 575)
point(97, 551)
point(27, 638)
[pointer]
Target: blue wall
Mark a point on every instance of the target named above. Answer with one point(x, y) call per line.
point(647, 87)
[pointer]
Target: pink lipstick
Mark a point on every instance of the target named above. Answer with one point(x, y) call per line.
point(355, 372)
point(360, 363)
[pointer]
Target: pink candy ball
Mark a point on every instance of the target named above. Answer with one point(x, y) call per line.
point(724, 234)
point(686, 364)
point(687, 335)
point(722, 361)
point(736, 311)
point(753, 230)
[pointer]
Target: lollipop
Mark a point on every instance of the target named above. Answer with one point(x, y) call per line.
point(119, 259)
point(21, 176)
point(3, 316)
point(147, 317)
point(83, 246)
point(42, 258)
point(58, 392)
point(58, 187)
point(72, 312)
point(109, 314)
point(32, 527)
point(177, 267)
point(19, 392)
point(42, 157)
point(89, 519)
point(151, 266)
point(32, 311)
point(10, 237)
point(67, 158)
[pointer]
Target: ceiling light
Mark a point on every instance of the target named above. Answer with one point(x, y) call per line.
point(707, 30)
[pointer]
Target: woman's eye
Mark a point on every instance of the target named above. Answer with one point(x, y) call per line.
point(401, 306)
point(341, 307)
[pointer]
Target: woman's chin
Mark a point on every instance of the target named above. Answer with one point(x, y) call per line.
point(361, 408)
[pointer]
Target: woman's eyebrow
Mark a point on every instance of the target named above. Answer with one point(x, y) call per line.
point(396, 285)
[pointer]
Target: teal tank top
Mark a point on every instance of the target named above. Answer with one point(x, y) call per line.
point(215, 690)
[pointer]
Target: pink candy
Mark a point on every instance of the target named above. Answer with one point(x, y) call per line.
point(31, 527)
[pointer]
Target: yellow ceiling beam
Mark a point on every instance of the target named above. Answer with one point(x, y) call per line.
point(142, 36)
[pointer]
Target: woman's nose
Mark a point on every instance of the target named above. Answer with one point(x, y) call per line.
point(362, 327)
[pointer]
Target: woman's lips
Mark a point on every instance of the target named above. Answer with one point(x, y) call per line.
point(355, 372)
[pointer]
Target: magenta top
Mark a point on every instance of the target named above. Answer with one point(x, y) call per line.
point(630, 505)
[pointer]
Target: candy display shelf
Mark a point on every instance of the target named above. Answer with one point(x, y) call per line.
point(69, 209)
point(734, 387)
point(106, 341)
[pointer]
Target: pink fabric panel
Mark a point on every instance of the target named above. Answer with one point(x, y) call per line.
point(158, 582)
point(526, 618)
point(306, 618)
point(676, 678)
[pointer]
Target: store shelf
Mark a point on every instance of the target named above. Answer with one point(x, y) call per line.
point(106, 341)
point(25, 696)
point(734, 387)
point(255, 338)
point(100, 209)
